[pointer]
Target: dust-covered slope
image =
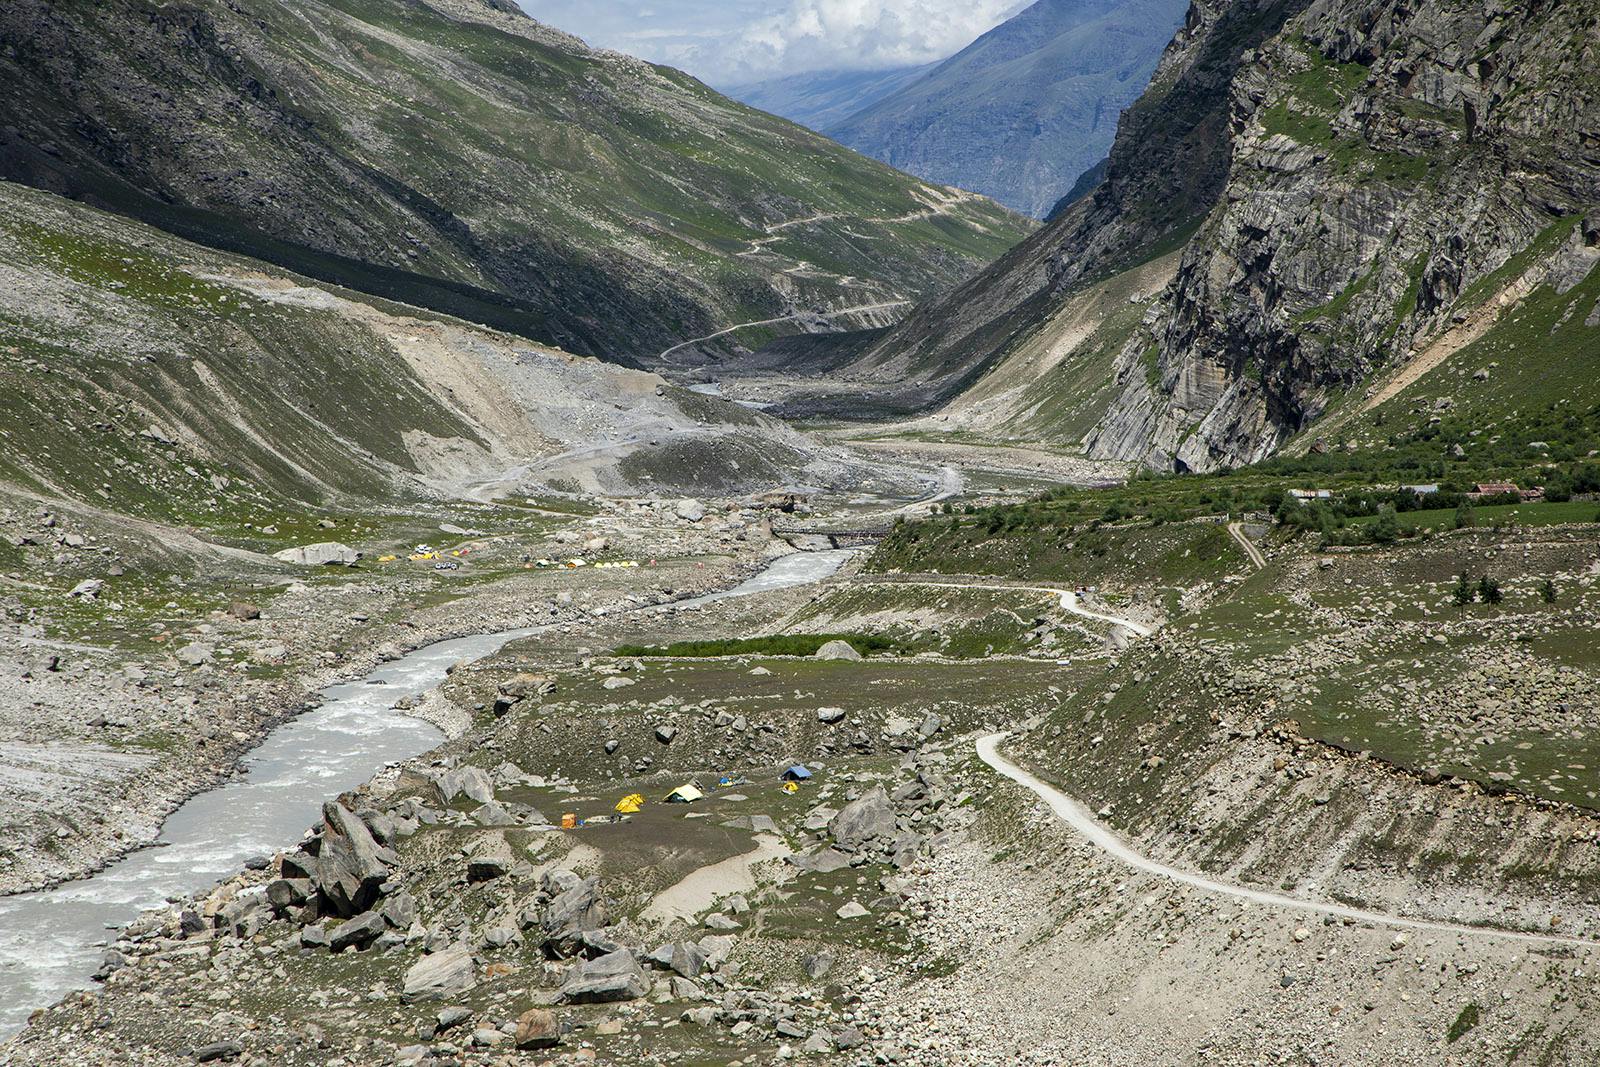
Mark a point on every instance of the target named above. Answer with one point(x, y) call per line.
point(159, 380)
point(1023, 111)
point(453, 155)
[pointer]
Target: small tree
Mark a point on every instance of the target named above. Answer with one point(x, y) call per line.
point(1547, 590)
point(1386, 530)
point(1466, 517)
point(1464, 594)
point(1489, 590)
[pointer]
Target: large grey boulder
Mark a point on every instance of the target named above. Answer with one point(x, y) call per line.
point(473, 783)
point(441, 976)
point(690, 510)
point(575, 911)
point(490, 859)
point(325, 554)
point(683, 958)
point(350, 864)
point(359, 932)
point(841, 650)
point(867, 821)
point(613, 977)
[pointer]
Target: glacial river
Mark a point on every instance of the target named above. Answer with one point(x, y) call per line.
point(51, 941)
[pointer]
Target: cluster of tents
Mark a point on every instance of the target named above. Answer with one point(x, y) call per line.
point(689, 792)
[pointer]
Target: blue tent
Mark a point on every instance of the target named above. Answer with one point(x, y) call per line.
point(796, 773)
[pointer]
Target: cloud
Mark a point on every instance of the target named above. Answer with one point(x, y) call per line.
point(859, 34)
point(732, 41)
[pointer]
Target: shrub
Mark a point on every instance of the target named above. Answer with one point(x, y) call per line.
point(1547, 590)
point(1489, 590)
point(1464, 593)
point(1465, 1023)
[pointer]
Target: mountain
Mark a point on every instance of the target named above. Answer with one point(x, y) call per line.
point(1325, 224)
point(820, 99)
point(1023, 111)
point(457, 155)
point(164, 386)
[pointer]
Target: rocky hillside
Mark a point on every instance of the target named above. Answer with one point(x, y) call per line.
point(145, 377)
point(1361, 191)
point(457, 155)
point(1028, 107)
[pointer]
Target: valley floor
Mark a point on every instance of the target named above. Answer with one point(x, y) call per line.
point(1274, 892)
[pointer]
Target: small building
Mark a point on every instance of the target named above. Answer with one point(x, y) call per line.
point(1421, 490)
point(1306, 496)
point(1484, 490)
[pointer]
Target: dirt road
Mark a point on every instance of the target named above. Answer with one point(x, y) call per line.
point(1076, 816)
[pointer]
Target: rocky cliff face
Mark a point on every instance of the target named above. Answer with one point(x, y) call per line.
point(1166, 169)
point(1349, 180)
point(449, 154)
point(1392, 167)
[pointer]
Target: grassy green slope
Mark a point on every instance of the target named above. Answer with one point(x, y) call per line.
point(448, 154)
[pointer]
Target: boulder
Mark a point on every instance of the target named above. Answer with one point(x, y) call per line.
point(605, 980)
point(359, 932)
point(829, 716)
point(491, 858)
point(682, 958)
point(866, 821)
point(218, 1052)
point(473, 783)
point(538, 1028)
point(690, 510)
point(575, 911)
point(841, 650)
point(325, 554)
point(818, 965)
point(350, 864)
point(195, 655)
point(244, 611)
point(440, 976)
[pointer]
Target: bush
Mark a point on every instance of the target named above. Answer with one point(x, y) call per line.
point(1489, 590)
point(1464, 593)
point(1547, 590)
point(1465, 1023)
point(1466, 517)
point(1386, 531)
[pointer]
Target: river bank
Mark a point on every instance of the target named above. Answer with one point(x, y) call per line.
point(359, 727)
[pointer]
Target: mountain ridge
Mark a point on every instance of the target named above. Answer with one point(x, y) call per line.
point(451, 154)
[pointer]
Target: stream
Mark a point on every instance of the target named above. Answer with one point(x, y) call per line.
point(51, 941)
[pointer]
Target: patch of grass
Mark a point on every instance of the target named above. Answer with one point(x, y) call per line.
point(776, 645)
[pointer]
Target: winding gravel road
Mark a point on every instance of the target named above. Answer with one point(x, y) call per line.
point(1077, 816)
point(1236, 531)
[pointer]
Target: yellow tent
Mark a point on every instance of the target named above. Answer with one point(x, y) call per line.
point(630, 803)
point(687, 793)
